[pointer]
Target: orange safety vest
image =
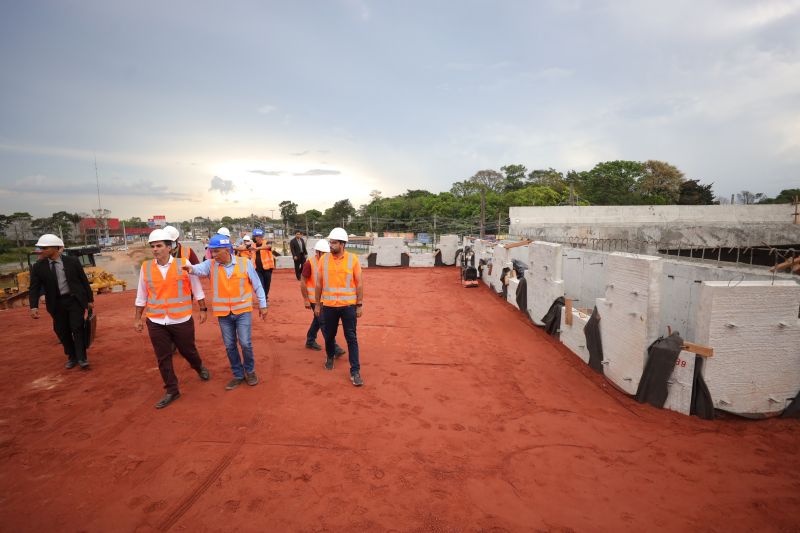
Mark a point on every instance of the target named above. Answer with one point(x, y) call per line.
point(311, 281)
point(167, 297)
point(338, 282)
point(234, 294)
point(247, 254)
point(267, 260)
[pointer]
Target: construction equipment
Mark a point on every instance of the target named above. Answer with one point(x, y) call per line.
point(99, 279)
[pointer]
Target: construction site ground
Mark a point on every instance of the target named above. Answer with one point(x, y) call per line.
point(470, 419)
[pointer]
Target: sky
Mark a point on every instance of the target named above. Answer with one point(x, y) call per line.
point(194, 108)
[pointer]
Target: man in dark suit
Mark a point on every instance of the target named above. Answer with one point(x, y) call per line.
point(299, 253)
point(67, 294)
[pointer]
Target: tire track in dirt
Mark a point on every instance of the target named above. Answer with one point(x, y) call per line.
point(186, 503)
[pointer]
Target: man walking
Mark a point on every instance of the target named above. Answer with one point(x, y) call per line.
point(164, 296)
point(308, 281)
point(299, 253)
point(67, 296)
point(265, 261)
point(233, 282)
point(340, 292)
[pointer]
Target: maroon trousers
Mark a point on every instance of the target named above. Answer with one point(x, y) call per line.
point(165, 339)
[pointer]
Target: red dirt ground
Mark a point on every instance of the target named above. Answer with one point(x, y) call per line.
point(471, 419)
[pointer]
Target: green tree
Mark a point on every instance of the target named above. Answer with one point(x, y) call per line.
point(786, 196)
point(549, 178)
point(339, 213)
point(20, 223)
point(288, 213)
point(461, 189)
point(660, 183)
point(693, 193)
point(613, 183)
point(514, 177)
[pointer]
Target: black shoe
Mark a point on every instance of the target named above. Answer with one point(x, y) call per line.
point(204, 374)
point(84, 364)
point(251, 379)
point(71, 364)
point(329, 363)
point(167, 399)
point(313, 346)
point(356, 379)
point(338, 352)
point(232, 384)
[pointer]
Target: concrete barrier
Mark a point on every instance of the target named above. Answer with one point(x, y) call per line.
point(572, 336)
point(284, 261)
point(629, 316)
point(543, 278)
point(421, 260)
point(754, 330)
point(448, 245)
point(388, 250)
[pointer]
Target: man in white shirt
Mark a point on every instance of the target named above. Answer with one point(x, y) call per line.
point(164, 295)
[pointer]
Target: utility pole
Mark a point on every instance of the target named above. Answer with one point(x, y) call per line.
point(498, 222)
point(306, 225)
point(434, 231)
point(370, 225)
point(483, 212)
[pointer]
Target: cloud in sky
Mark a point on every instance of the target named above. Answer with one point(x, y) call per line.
point(268, 172)
point(318, 172)
point(298, 154)
point(222, 185)
point(266, 109)
point(40, 184)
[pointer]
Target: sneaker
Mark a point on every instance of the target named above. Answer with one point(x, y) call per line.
point(204, 374)
point(251, 379)
point(84, 364)
point(329, 363)
point(356, 379)
point(232, 384)
point(71, 364)
point(313, 346)
point(338, 352)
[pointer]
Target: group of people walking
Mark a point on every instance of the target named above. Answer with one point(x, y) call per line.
point(240, 276)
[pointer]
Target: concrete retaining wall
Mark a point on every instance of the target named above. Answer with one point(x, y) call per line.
point(543, 278)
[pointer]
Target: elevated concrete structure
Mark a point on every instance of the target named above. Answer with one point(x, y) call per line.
point(663, 226)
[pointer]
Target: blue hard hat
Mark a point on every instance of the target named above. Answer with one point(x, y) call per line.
point(258, 232)
point(219, 241)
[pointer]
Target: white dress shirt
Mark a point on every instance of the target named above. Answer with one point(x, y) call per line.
point(141, 293)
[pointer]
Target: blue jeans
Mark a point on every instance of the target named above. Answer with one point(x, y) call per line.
point(233, 327)
point(329, 322)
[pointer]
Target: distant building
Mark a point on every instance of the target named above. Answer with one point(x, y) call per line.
point(158, 221)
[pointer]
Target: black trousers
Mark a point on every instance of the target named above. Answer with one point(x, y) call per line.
point(164, 340)
point(298, 267)
point(68, 325)
point(266, 279)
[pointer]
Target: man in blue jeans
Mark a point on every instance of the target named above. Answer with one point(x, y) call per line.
point(233, 283)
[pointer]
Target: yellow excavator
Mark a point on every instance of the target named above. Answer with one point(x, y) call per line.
point(100, 280)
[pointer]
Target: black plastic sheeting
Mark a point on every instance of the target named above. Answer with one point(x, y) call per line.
point(702, 404)
point(405, 259)
point(503, 275)
point(372, 259)
point(594, 344)
point(793, 411)
point(552, 320)
point(661, 358)
point(437, 258)
point(522, 295)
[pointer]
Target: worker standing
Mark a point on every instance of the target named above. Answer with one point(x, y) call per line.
point(67, 296)
point(233, 282)
point(246, 248)
point(178, 249)
point(308, 280)
point(264, 260)
point(164, 296)
point(340, 293)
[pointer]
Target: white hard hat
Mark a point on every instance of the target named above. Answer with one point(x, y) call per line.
point(322, 246)
point(246, 238)
point(159, 235)
point(48, 239)
point(338, 234)
point(224, 231)
point(173, 232)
